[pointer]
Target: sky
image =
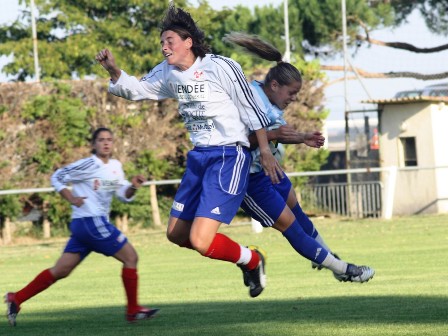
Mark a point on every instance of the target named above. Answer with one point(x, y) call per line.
point(369, 58)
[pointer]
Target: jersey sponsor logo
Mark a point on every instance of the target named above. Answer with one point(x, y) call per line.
point(216, 211)
point(192, 91)
point(206, 125)
point(178, 206)
point(105, 185)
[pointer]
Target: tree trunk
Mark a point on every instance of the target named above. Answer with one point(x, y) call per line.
point(155, 206)
point(6, 232)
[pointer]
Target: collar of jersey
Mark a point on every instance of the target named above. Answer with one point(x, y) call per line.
point(98, 160)
point(272, 110)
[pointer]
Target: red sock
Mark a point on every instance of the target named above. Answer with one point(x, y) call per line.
point(253, 261)
point(224, 248)
point(130, 282)
point(40, 283)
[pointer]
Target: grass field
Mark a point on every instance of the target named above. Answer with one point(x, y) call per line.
point(199, 296)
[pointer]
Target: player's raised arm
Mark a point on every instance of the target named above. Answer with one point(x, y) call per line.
point(107, 60)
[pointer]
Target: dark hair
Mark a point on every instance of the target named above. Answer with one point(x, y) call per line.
point(284, 73)
point(181, 22)
point(95, 135)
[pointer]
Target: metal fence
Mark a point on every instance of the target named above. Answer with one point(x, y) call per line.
point(356, 199)
point(359, 199)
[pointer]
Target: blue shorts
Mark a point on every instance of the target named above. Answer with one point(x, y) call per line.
point(214, 183)
point(265, 201)
point(94, 234)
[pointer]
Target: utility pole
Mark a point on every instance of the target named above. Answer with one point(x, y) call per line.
point(287, 56)
point(346, 113)
point(35, 53)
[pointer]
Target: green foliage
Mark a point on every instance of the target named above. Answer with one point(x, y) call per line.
point(70, 33)
point(318, 22)
point(45, 158)
point(10, 206)
point(66, 115)
point(3, 109)
point(65, 120)
point(155, 169)
point(434, 13)
point(58, 212)
point(147, 164)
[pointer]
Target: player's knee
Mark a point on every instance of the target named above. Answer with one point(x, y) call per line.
point(176, 238)
point(172, 237)
point(61, 272)
point(132, 259)
point(200, 245)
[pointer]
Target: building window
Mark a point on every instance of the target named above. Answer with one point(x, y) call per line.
point(409, 151)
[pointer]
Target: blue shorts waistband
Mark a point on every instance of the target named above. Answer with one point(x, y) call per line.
point(212, 148)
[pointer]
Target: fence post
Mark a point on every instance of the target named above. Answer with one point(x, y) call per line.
point(46, 226)
point(6, 232)
point(154, 206)
point(389, 193)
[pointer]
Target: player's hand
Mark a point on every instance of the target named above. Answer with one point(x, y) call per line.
point(107, 60)
point(314, 139)
point(77, 201)
point(271, 166)
point(137, 181)
point(286, 134)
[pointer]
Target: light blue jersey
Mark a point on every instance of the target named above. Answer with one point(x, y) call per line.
point(275, 116)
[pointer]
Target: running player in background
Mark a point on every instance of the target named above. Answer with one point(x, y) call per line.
point(218, 108)
point(95, 180)
point(276, 205)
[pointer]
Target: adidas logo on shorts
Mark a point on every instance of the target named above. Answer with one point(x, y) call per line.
point(216, 211)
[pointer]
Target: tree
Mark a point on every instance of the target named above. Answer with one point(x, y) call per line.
point(49, 124)
point(365, 16)
point(70, 33)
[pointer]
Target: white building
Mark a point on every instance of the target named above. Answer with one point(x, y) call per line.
point(413, 136)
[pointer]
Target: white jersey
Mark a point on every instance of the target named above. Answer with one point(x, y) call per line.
point(276, 120)
point(97, 181)
point(215, 100)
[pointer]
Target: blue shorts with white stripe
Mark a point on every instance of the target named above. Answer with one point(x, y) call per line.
point(265, 201)
point(94, 234)
point(214, 183)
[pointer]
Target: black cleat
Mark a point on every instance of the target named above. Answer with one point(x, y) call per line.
point(255, 279)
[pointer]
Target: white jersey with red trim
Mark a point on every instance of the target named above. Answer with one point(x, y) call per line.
point(215, 100)
point(95, 180)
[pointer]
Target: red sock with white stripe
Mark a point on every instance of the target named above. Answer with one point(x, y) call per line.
point(40, 283)
point(224, 248)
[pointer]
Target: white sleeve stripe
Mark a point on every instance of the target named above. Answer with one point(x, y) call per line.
point(248, 94)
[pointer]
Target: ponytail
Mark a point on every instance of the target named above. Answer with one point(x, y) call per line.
point(284, 73)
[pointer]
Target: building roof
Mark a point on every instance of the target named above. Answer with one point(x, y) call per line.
point(407, 100)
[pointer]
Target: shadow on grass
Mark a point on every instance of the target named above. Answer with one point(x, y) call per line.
point(227, 318)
